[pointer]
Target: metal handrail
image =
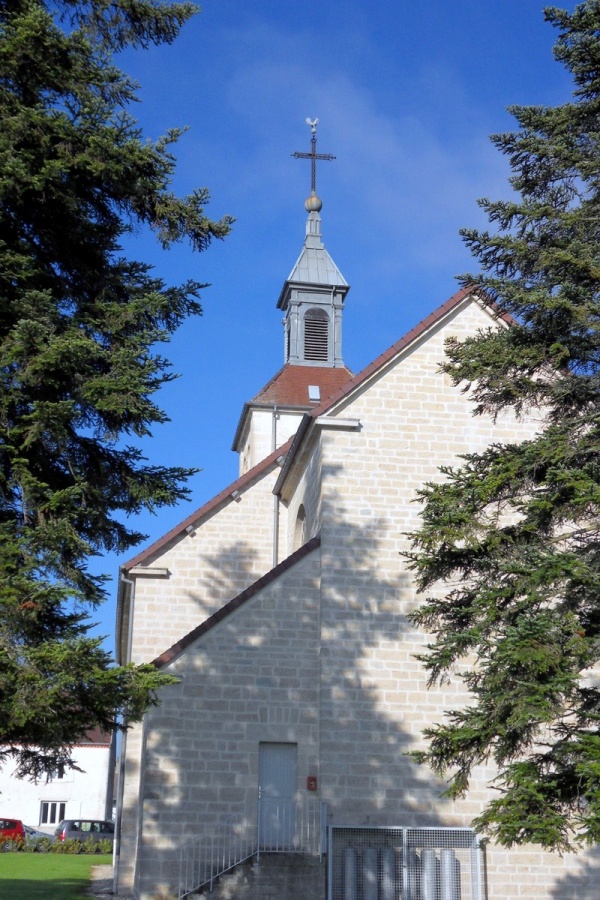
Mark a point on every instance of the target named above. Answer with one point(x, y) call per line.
point(275, 825)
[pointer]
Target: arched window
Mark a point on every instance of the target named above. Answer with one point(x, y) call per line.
point(316, 335)
point(300, 529)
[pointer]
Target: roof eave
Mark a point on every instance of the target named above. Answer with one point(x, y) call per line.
point(220, 499)
point(308, 286)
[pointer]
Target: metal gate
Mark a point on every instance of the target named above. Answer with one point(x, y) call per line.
point(403, 864)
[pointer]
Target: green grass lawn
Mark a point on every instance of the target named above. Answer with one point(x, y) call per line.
point(46, 876)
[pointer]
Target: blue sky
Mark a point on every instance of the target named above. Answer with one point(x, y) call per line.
point(406, 95)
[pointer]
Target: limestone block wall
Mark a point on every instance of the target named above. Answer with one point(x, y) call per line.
point(252, 678)
point(306, 493)
point(375, 702)
point(130, 779)
point(230, 549)
point(266, 430)
point(374, 698)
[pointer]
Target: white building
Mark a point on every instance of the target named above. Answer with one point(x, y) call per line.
point(85, 792)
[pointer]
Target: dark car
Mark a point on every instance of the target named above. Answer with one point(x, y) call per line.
point(12, 833)
point(84, 829)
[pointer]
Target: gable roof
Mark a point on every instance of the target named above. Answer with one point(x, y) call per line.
point(289, 381)
point(234, 604)
point(409, 338)
point(288, 389)
point(289, 449)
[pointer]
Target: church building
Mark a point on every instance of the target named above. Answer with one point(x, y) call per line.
point(277, 765)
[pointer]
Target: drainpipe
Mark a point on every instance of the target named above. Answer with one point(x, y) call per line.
point(123, 746)
point(333, 327)
point(275, 497)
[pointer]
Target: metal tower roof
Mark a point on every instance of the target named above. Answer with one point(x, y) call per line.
point(314, 266)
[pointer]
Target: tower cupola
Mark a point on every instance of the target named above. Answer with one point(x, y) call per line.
point(313, 295)
point(312, 299)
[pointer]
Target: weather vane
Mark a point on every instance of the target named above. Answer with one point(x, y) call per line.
point(313, 155)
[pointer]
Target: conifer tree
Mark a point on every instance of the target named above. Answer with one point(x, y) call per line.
point(511, 537)
point(78, 366)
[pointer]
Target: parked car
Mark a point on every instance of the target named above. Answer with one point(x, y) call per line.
point(84, 829)
point(39, 840)
point(12, 832)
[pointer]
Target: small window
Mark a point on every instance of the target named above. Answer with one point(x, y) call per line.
point(316, 335)
point(57, 774)
point(300, 529)
point(52, 813)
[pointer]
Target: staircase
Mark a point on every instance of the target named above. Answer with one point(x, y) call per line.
point(265, 828)
point(278, 876)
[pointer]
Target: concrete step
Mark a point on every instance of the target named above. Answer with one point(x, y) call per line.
point(276, 876)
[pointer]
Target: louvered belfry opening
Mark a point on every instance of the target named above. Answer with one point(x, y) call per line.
point(316, 335)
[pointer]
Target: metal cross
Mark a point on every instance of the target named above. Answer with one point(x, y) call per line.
point(313, 155)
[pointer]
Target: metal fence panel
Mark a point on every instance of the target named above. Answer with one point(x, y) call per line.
point(403, 864)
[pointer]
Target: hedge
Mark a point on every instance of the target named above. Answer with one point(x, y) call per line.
point(47, 845)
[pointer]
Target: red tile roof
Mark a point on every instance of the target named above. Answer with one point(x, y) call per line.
point(289, 387)
point(96, 737)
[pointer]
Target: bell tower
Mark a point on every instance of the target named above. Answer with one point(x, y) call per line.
point(312, 299)
point(313, 295)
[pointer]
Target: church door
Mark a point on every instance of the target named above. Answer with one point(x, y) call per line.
point(277, 778)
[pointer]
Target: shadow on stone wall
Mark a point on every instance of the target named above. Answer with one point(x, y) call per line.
point(362, 746)
point(584, 882)
point(369, 685)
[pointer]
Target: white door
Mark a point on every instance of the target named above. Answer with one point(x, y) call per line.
point(277, 773)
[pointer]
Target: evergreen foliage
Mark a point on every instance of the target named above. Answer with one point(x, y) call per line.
point(510, 542)
point(78, 324)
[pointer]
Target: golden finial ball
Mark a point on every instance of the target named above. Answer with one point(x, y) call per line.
point(313, 203)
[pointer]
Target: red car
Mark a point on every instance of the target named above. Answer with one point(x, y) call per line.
point(11, 830)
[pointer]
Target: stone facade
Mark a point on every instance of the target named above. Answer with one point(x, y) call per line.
point(265, 430)
point(319, 652)
point(194, 574)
